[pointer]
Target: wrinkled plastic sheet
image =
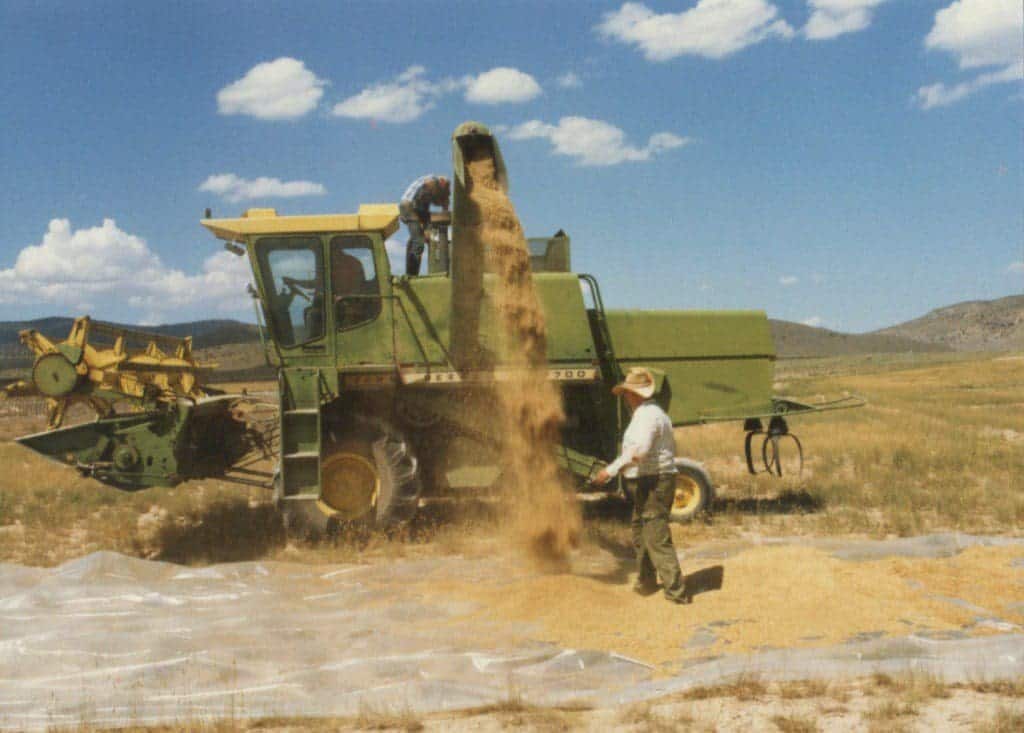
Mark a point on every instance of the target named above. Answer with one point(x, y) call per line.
point(108, 640)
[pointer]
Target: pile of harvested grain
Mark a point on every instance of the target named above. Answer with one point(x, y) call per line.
point(545, 517)
point(771, 597)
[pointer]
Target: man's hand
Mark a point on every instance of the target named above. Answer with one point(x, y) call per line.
point(602, 477)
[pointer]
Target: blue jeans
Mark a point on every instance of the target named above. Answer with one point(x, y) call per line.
point(417, 240)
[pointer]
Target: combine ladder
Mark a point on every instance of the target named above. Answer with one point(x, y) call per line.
point(301, 439)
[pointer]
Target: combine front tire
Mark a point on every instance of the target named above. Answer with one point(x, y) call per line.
point(694, 491)
point(369, 477)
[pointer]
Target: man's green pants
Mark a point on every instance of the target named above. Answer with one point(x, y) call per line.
point(652, 540)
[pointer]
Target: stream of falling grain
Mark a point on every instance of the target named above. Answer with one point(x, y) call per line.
point(545, 518)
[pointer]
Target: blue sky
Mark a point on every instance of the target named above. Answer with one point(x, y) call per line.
point(848, 163)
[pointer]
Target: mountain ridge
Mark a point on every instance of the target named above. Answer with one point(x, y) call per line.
point(971, 325)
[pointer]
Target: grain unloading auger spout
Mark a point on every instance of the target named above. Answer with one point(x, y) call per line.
point(470, 141)
point(177, 428)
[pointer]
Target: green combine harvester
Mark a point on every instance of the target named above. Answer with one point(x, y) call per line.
point(372, 393)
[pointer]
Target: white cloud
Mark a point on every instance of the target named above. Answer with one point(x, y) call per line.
point(712, 28)
point(283, 89)
point(569, 80)
point(235, 189)
point(831, 18)
point(942, 95)
point(410, 94)
point(403, 99)
point(815, 321)
point(978, 33)
point(594, 142)
point(501, 85)
point(1016, 267)
point(70, 267)
point(787, 280)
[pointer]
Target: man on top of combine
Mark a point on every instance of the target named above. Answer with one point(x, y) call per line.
point(414, 210)
point(648, 457)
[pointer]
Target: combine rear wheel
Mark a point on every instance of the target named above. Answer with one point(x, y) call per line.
point(694, 491)
point(369, 477)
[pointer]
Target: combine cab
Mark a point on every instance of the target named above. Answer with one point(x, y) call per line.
point(372, 387)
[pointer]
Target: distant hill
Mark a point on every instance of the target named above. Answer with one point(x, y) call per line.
point(796, 339)
point(975, 325)
point(205, 334)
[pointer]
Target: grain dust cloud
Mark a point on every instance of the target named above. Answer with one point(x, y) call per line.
point(545, 519)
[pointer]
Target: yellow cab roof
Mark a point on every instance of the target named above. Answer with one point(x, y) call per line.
point(370, 218)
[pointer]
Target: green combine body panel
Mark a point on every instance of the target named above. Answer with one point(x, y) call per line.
point(717, 363)
point(428, 301)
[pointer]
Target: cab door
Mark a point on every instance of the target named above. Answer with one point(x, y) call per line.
point(290, 272)
point(361, 309)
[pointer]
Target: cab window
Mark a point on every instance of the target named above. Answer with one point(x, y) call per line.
point(354, 282)
point(292, 269)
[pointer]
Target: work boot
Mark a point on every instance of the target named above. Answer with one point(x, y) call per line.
point(645, 588)
point(412, 263)
point(679, 593)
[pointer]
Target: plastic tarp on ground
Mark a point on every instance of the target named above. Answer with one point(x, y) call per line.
point(108, 639)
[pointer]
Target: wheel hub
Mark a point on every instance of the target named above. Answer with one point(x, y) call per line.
point(54, 375)
point(349, 486)
point(687, 494)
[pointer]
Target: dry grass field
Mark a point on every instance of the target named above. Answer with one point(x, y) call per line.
point(940, 447)
point(879, 704)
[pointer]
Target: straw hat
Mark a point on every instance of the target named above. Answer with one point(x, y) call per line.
point(639, 381)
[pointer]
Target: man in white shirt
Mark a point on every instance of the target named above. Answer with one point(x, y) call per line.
point(648, 464)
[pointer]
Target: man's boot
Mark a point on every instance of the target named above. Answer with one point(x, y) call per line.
point(412, 262)
point(645, 588)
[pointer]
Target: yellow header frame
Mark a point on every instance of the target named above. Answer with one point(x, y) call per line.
point(381, 218)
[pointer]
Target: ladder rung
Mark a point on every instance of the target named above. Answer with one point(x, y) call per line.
point(303, 411)
point(305, 455)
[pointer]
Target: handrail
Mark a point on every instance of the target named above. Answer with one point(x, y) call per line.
point(609, 354)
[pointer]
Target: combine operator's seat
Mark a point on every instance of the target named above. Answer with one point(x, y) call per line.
point(354, 282)
point(347, 276)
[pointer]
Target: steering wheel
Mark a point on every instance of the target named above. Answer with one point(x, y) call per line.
point(294, 289)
